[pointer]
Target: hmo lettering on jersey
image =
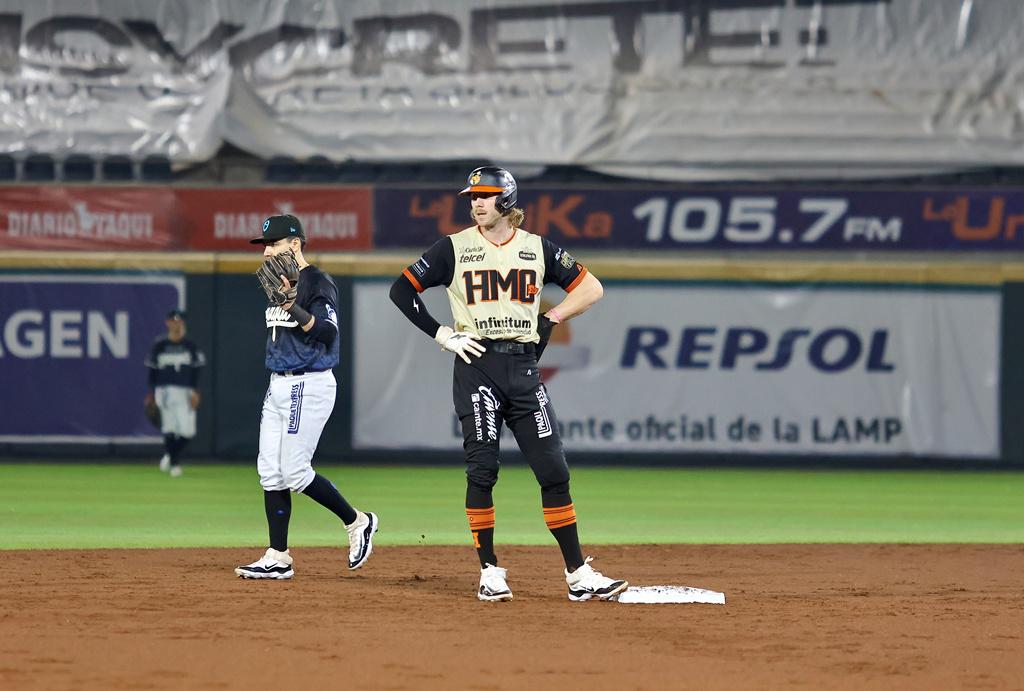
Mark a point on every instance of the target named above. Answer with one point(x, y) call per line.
point(521, 284)
point(830, 351)
point(64, 334)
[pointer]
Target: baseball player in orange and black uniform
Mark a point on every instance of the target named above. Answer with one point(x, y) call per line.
point(494, 272)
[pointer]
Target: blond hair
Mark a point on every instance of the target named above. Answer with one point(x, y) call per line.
point(516, 217)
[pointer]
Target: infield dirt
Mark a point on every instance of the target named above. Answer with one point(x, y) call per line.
point(796, 617)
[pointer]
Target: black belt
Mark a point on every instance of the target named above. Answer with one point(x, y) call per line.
point(297, 372)
point(511, 347)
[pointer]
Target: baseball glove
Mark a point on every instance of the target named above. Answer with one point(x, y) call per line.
point(269, 275)
point(152, 411)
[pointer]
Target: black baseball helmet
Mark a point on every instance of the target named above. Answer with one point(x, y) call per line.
point(496, 180)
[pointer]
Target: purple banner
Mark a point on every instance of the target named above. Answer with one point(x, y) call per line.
point(72, 348)
point(701, 219)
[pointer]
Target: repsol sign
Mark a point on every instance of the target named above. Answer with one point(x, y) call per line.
point(831, 350)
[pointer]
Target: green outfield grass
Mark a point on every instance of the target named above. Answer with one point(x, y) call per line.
point(90, 505)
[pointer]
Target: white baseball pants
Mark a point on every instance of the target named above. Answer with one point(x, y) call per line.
point(295, 410)
point(176, 413)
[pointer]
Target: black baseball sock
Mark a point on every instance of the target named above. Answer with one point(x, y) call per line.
point(169, 445)
point(560, 516)
point(178, 446)
point(323, 492)
point(480, 511)
point(278, 504)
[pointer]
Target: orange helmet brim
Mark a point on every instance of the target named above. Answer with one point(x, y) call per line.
point(481, 188)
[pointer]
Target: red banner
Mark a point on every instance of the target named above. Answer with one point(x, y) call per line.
point(226, 219)
point(88, 218)
point(168, 218)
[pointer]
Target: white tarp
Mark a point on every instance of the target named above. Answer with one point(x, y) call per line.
point(752, 369)
point(113, 77)
point(666, 88)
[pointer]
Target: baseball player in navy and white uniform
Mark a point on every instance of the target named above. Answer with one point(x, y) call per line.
point(174, 364)
point(494, 272)
point(302, 349)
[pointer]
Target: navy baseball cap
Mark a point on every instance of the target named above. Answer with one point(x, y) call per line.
point(176, 314)
point(279, 227)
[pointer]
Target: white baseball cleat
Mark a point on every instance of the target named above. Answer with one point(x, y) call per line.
point(586, 583)
point(273, 564)
point(175, 471)
point(165, 462)
point(494, 584)
point(360, 539)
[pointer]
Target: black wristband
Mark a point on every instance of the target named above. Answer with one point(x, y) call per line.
point(300, 315)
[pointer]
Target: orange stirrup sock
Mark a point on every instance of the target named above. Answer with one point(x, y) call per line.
point(481, 524)
point(559, 516)
point(480, 519)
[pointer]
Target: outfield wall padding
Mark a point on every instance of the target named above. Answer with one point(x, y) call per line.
point(225, 310)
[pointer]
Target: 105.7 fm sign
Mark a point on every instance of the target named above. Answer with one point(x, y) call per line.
point(727, 219)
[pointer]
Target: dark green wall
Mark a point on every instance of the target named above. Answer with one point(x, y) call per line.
point(1011, 385)
point(236, 348)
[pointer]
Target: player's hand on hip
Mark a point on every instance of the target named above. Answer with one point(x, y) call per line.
point(462, 343)
point(193, 399)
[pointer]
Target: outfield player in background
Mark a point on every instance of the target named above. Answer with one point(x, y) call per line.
point(494, 272)
point(174, 364)
point(302, 348)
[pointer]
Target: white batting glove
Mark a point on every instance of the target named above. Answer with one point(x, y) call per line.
point(462, 344)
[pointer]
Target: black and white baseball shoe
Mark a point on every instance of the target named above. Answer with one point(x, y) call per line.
point(586, 583)
point(360, 539)
point(273, 564)
point(494, 584)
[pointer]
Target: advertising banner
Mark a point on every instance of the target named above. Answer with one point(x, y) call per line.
point(745, 369)
point(665, 89)
point(87, 218)
point(97, 218)
point(334, 218)
point(673, 89)
point(740, 219)
point(71, 354)
point(113, 77)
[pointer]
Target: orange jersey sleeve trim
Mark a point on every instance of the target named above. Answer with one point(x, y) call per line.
point(412, 279)
point(576, 282)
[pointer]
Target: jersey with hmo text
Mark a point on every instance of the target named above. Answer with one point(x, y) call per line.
point(494, 290)
point(289, 348)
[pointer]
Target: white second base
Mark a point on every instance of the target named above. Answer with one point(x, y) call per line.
point(670, 594)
